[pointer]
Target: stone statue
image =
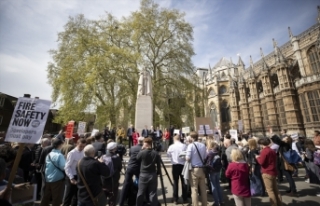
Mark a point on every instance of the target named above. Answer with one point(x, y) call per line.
point(144, 84)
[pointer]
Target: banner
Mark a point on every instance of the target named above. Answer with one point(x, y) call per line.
point(81, 127)
point(234, 134)
point(69, 131)
point(28, 120)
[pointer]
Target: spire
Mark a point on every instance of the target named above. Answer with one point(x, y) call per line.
point(290, 32)
point(251, 72)
point(240, 62)
point(264, 64)
point(279, 58)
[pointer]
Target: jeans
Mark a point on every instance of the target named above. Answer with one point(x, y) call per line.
point(148, 184)
point(289, 178)
point(215, 187)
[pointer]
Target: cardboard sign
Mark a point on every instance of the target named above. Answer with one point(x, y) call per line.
point(185, 130)
point(81, 127)
point(234, 134)
point(70, 127)
point(28, 120)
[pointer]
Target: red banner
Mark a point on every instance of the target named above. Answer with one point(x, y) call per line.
point(69, 131)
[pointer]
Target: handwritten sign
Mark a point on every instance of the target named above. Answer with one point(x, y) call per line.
point(28, 120)
point(81, 127)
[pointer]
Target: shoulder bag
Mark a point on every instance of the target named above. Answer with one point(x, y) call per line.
point(100, 199)
point(206, 168)
point(58, 168)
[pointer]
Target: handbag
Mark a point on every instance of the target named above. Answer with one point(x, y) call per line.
point(256, 188)
point(292, 157)
point(100, 199)
point(287, 166)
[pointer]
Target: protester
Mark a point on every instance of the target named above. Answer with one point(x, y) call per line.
point(285, 145)
point(133, 169)
point(71, 190)
point(135, 137)
point(230, 148)
point(166, 139)
point(255, 167)
point(148, 182)
point(90, 171)
point(99, 145)
point(268, 162)
point(111, 184)
point(173, 152)
point(275, 145)
point(5, 194)
point(227, 140)
point(120, 134)
point(314, 169)
point(196, 155)
point(214, 161)
point(316, 138)
point(130, 132)
point(238, 172)
point(145, 132)
point(54, 175)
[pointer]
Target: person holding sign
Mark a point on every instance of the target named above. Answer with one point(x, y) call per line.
point(54, 175)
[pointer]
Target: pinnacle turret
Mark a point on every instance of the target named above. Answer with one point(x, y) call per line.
point(279, 58)
point(264, 63)
point(251, 72)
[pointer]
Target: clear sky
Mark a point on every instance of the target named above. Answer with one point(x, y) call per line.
point(222, 28)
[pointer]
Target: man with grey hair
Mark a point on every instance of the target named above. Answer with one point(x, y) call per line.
point(91, 170)
point(230, 148)
point(133, 168)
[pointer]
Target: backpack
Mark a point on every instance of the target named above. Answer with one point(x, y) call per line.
point(215, 163)
point(108, 161)
point(316, 158)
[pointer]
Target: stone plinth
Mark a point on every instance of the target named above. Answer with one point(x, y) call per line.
point(144, 113)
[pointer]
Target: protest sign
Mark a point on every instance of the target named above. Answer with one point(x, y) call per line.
point(185, 130)
point(234, 134)
point(81, 127)
point(69, 131)
point(94, 132)
point(28, 120)
point(176, 131)
point(209, 131)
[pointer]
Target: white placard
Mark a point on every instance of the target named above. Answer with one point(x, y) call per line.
point(234, 134)
point(176, 131)
point(28, 120)
point(94, 132)
point(207, 126)
point(209, 131)
point(200, 127)
point(185, 130)
point(201, 132)
point(81, 127)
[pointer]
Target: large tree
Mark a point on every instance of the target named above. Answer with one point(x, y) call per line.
point(96, 65)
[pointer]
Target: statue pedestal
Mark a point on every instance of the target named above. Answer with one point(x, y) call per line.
point(144, 113)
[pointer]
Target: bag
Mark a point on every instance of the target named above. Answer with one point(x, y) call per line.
point(256, 188)
point(316, 158)
point(292, 157)
point(287, 166)
point(216, 163)
point(100, 199)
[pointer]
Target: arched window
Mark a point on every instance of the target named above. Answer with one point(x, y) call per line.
point(213, 114)
point(211, 92)
point(314, 60)
point(222, 89)
point(225, 112)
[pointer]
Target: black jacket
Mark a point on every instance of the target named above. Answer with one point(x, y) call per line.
point(92, 170)
point(113, 182)
point(133, 163)
point(149, 159)
point(99, 146)
point(44, 153)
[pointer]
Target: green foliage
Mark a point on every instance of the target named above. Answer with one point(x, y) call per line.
point(96, 65)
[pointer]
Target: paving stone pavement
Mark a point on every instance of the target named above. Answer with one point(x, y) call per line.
point(307, 193)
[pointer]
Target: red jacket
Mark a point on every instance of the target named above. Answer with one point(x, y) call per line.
point(268, 161)
point(238, 172)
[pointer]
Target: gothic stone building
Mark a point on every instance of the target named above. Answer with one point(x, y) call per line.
point(280, 91)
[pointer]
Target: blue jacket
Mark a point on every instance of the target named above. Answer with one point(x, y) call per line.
point(56, 159)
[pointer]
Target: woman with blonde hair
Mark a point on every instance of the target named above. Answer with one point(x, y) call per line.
point(255, 167)
point(238, 172)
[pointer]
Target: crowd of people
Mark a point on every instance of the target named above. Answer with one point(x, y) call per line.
point(86, 170)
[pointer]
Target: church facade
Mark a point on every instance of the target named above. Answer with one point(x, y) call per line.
point(280, 91)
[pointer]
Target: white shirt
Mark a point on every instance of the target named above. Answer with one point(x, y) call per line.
point(72, 160)
point(174, 150)
point(192, 153)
